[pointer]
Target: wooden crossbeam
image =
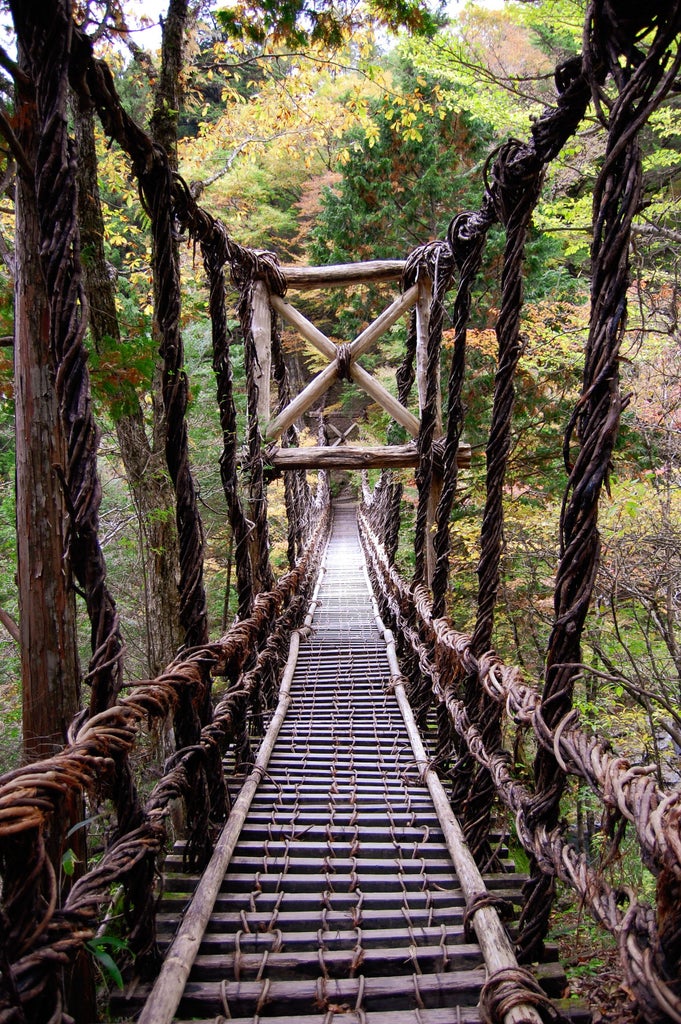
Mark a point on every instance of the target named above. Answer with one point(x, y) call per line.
point(305, 326)
point(340, 275)
point(387, 401)
point(394, 456)
point(384, 322)
point(342, 436)
point(317, 387)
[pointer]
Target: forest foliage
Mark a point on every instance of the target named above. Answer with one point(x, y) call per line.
point(330, 142)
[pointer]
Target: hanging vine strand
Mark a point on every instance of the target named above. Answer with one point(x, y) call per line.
point(460, 675)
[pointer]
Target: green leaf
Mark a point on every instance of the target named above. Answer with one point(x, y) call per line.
point(68, 862)
point(81, 824)
point(109, 966)
point(99, 948)
point(111, 941)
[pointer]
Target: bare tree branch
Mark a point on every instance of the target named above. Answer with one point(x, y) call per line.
point(10, 625)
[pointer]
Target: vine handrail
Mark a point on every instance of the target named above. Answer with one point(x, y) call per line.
point(39, 937)
point(445, 655)
point(640, 56)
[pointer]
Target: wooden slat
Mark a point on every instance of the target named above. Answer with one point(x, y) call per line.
point(372, 938)
point(299, 920)
point(452, 989)
point(290, 996)
point(446, 900)
point(376, 962)
point(573, 1011)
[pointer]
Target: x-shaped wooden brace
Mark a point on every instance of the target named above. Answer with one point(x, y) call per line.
point(323, 380)
point(342, 436)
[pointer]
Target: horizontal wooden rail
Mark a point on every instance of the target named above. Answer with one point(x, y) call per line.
point(396, 456)
point(339, 275)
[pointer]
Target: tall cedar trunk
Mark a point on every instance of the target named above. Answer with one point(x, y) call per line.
point(150, 487)
point(49, 653)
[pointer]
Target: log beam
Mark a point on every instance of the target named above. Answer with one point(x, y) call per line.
point(384, 322)
point(340, 275)
point(387, 401)
point(395, 456)
point(304, 327)
point(316, 388)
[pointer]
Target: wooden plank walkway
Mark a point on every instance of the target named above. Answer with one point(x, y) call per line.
point(340, 901)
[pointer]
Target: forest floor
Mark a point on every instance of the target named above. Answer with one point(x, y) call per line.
point(594, 970)
point(10, 726)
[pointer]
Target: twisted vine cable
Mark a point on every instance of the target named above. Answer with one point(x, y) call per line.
point(434, 261)
point(215, 256)
point(617, 193)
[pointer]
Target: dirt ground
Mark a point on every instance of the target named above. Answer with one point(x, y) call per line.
point(595, 976)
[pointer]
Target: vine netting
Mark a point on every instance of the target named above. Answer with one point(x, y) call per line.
point(217, 694)
point(470, 686)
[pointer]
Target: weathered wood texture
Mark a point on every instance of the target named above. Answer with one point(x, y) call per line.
point(397, 456)
point(340, 275)
point(320, 384)
point(262, 338)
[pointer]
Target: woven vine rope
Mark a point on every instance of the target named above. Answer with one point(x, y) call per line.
point(638, 56)
point(630, 792)
point(38, 936)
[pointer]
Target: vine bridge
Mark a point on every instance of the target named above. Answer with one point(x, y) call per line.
point(342, 752)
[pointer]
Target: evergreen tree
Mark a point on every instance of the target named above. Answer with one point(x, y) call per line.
point(403, 181)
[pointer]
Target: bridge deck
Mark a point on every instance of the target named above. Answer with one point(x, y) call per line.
point(340, 899)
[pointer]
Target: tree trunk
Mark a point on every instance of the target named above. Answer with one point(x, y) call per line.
point(168, 94)
point(49, 649)
point(144, 463)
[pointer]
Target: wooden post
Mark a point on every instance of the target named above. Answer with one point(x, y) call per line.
point(433, 499)
point(261, 327)
point(425, 294)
